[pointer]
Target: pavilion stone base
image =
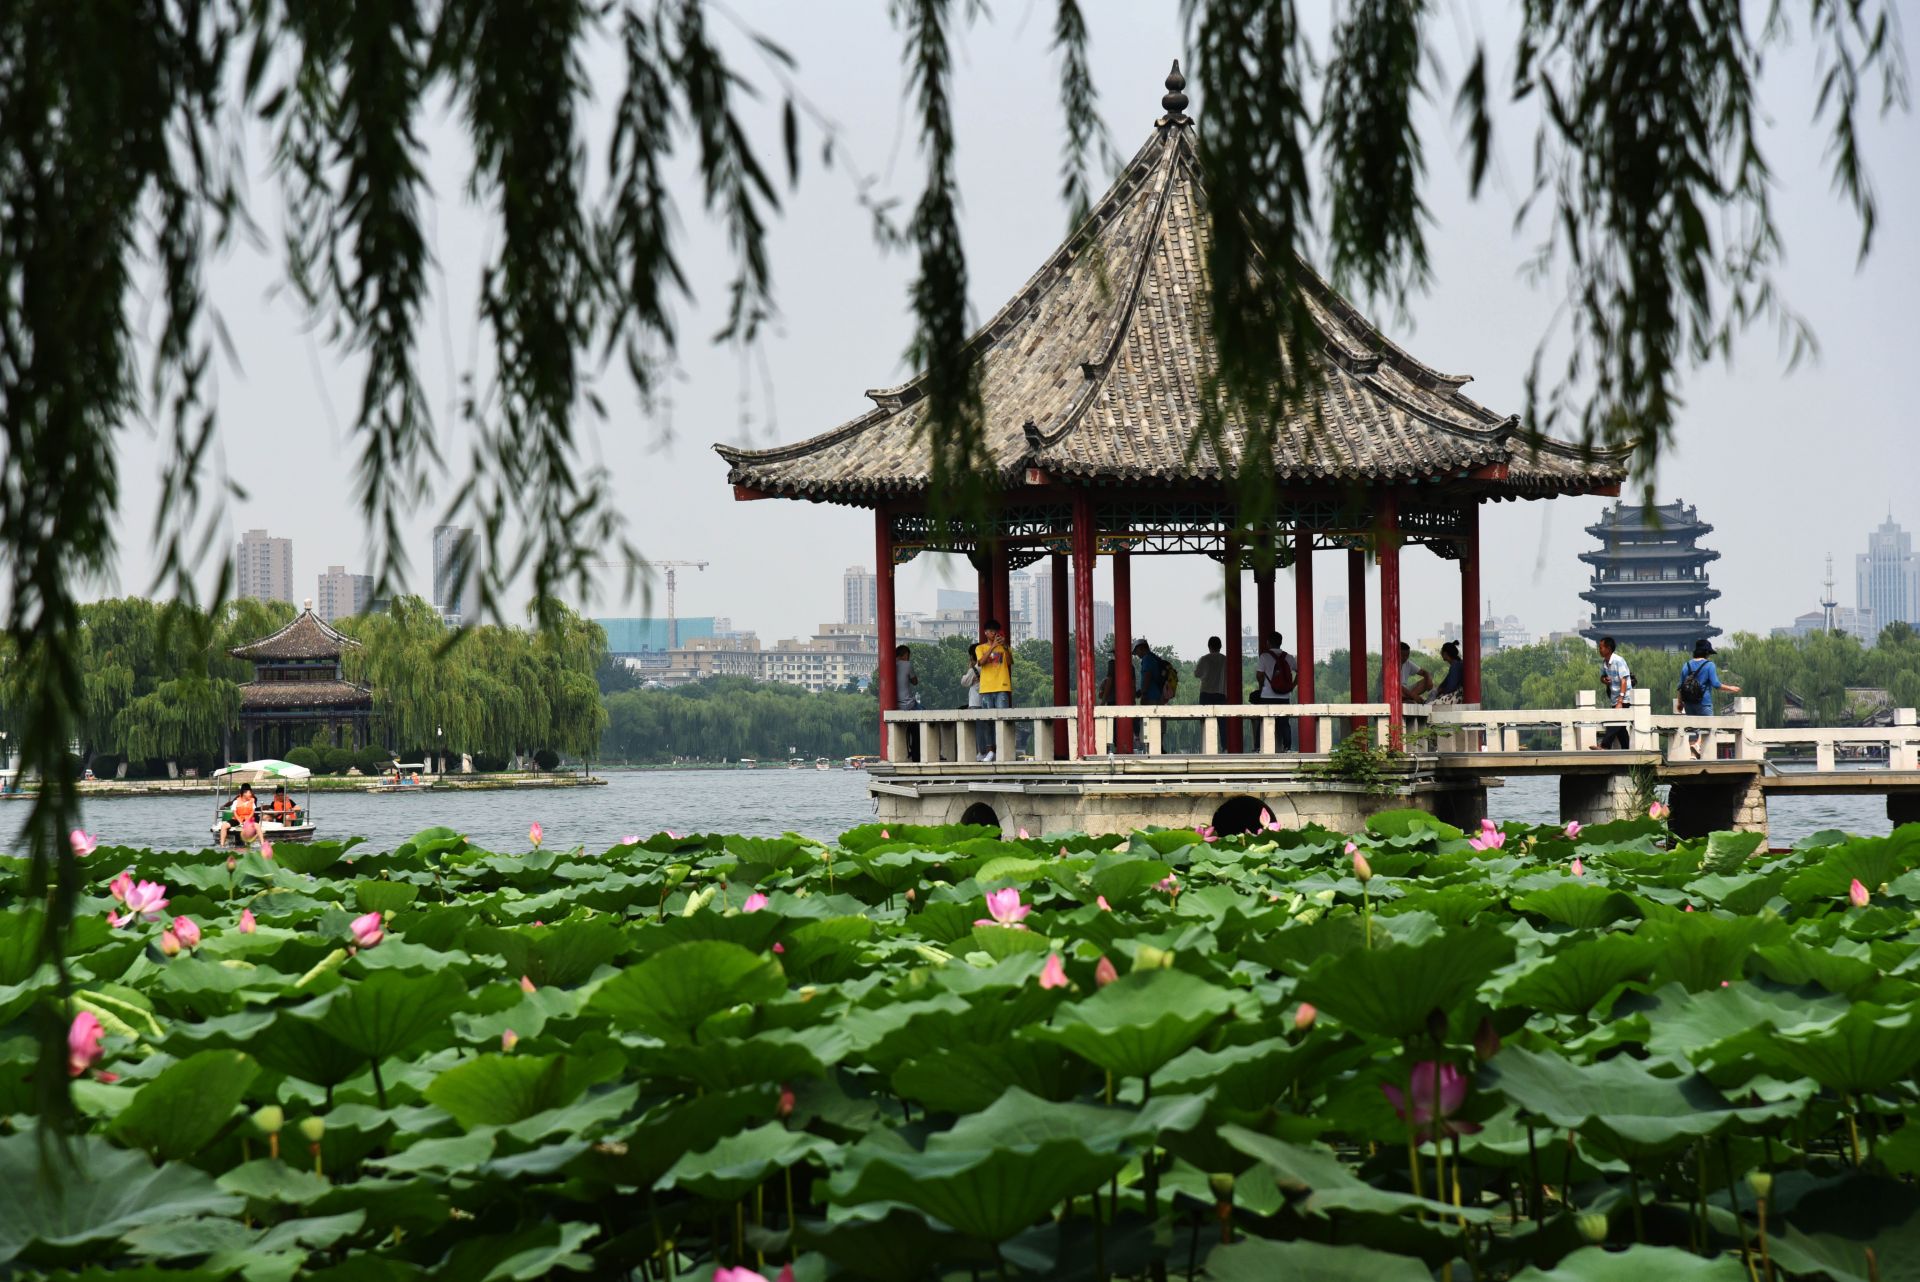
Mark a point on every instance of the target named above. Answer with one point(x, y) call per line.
point(1598, 798)
point(1057, 808)
point(1708, 805)
point(1903, 808)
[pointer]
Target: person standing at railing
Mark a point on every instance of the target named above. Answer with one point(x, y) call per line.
point(1210, 671)
point(1155, 686)
point(1699, 678)
point(996, 675)
point(1618, 679)
point(982, 730)
point(1278, 676)
point(906, 694)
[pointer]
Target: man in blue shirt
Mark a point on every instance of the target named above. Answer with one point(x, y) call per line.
point(1618, 679)
point(1700, 676)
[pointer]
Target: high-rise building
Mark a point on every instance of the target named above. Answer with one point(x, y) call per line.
point(1020, 604)
point(342, 594)
point(1887, 578)
point(453, 552)
point(1331, 635)
point(860, 596)
point(1649, 585)
point(1040, 601)
point(263, 567)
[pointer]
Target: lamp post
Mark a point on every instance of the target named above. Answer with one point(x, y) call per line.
point(440, 751)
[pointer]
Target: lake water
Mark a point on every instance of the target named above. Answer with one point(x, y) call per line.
point(818, 803)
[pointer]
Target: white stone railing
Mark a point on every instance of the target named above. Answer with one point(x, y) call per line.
point(930, 737)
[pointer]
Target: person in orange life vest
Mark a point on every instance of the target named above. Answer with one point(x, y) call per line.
point(281, 809)
point(243, 810)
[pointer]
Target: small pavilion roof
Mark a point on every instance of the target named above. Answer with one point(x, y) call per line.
point(256, 696)
point(1095, 372)
point(304, 638)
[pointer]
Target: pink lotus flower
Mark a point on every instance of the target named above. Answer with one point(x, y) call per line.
point(247, 923)
point(1659, 810)
point(1024, 834)
point(1267, 823)
point(1054, 973)
point(146, 900)
point(266, 848)
point(1490, 838)
point(1207, 833)
point(169, 943)
point(884, 836)
point(787, 1101)
point(83, 843)
point(1451, 1086)
point(1857, 894)
point(724, 1274)
point(1101, 900)
point(754, 903)
point(1573, 829)
point(120, 886)
point(187, 932)
point(1352, 850)
point(367, 930)
point(779, 947)
point(671, 833)
point(1004, 909)
point(1170, 884)
point(1104, 973)
point(249, 830)
point(1688, 908)
point(1579, 867)
point(83, 1043)
point(1361, 868)
point(508, 1040)
point(633, 839)
point(1304, 1017)
point(535, 833)
point(526, 984)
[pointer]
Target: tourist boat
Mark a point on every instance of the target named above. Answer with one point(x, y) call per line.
point(861, 762)
point(794, 763)
point(821, 763)
point(264, 775)
point(405, 778)
point(748, 763)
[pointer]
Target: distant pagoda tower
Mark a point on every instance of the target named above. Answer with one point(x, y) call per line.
point(1650, 584)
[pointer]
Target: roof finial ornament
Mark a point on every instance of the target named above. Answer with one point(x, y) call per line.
point(1175, 101)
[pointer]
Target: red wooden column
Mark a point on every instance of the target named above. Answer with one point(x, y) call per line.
point(1236, 679)
point(1123, 645)
point(883, 604)
point(1470, 606)
point(1062, 665)
point(1356, 631)
point(1262, 607)
point(982, 592)
point(1309, 732)
point(1387, 552)
point(1085, 681)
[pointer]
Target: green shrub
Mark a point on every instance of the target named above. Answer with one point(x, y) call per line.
point(489, 762)
point(336, 760)
point(546, 759)
point(373, 761)
point(104, 764)
point(308, 757)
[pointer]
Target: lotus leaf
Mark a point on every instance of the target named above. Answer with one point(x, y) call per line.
point(1391, 992)
point(671, 993)
point(108, 1193)
point(180, 1111)
point(1134, 1025)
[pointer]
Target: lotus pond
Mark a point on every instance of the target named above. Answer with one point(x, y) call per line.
point(1406, 1053)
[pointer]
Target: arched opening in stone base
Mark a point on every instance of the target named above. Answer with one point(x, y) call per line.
point(1238, 816)
point(980, 813)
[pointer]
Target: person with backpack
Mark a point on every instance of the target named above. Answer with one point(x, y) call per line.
point(1617, 677)
point(1699, 678)
point(1157, 682)
point(1278, 676)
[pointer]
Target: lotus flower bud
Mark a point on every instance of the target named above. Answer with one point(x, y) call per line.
point(1361, 868)
point(312, 1129)
point(1486, 1039)
point(786, 1101)
point(1303, 1018)
point(526, 984)
point(1857, 894)
point(169, 943)
point(1592, 1226)
point(1761, 1182)
point(1104, 973)
point(508, 1040)
point(269, 1118)
point(1222, 1186)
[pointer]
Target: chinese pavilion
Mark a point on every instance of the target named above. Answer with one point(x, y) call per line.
point(1091, 385)
point(1650, 584)
point(298, 688)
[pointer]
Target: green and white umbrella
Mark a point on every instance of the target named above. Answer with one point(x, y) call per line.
point(268, 768)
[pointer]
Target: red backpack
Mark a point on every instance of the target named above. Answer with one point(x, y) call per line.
point(1282, 681)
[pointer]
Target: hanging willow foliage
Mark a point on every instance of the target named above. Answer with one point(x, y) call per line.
point(121, 160)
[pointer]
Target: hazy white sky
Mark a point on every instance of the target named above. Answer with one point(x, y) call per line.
point(1788, 466)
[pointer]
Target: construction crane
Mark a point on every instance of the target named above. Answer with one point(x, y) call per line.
point(673, 621)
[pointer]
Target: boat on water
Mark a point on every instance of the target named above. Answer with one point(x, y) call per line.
point(861, 762)
point(250, 779)
point(794, 763)
point(821, 763)
point(405, 778)
point(748, 763)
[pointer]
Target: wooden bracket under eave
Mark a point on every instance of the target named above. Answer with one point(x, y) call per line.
point(747, 494)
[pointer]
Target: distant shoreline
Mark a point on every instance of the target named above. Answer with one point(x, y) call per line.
point(96, 789)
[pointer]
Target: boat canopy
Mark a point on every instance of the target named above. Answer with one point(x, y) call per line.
point(265, 768)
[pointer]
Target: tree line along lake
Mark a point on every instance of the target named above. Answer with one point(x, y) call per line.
point(762, 802)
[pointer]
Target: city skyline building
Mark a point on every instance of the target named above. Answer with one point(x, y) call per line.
point(1650, 586)
point(452, 570)
point(859, 597)
point(1887, 577)
point(340, 594)
point(263, 567)
point(1858, 624)
point(1040, 601)
point(1330, 633)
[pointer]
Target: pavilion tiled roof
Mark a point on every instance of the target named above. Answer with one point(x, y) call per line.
point(275, 695)
point(1095, 371)
point(304, 638)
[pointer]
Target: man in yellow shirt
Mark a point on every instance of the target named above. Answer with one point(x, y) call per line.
point(996, 672)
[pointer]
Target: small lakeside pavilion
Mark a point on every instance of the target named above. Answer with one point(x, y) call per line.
point(298, 688)
point(1092, 380)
